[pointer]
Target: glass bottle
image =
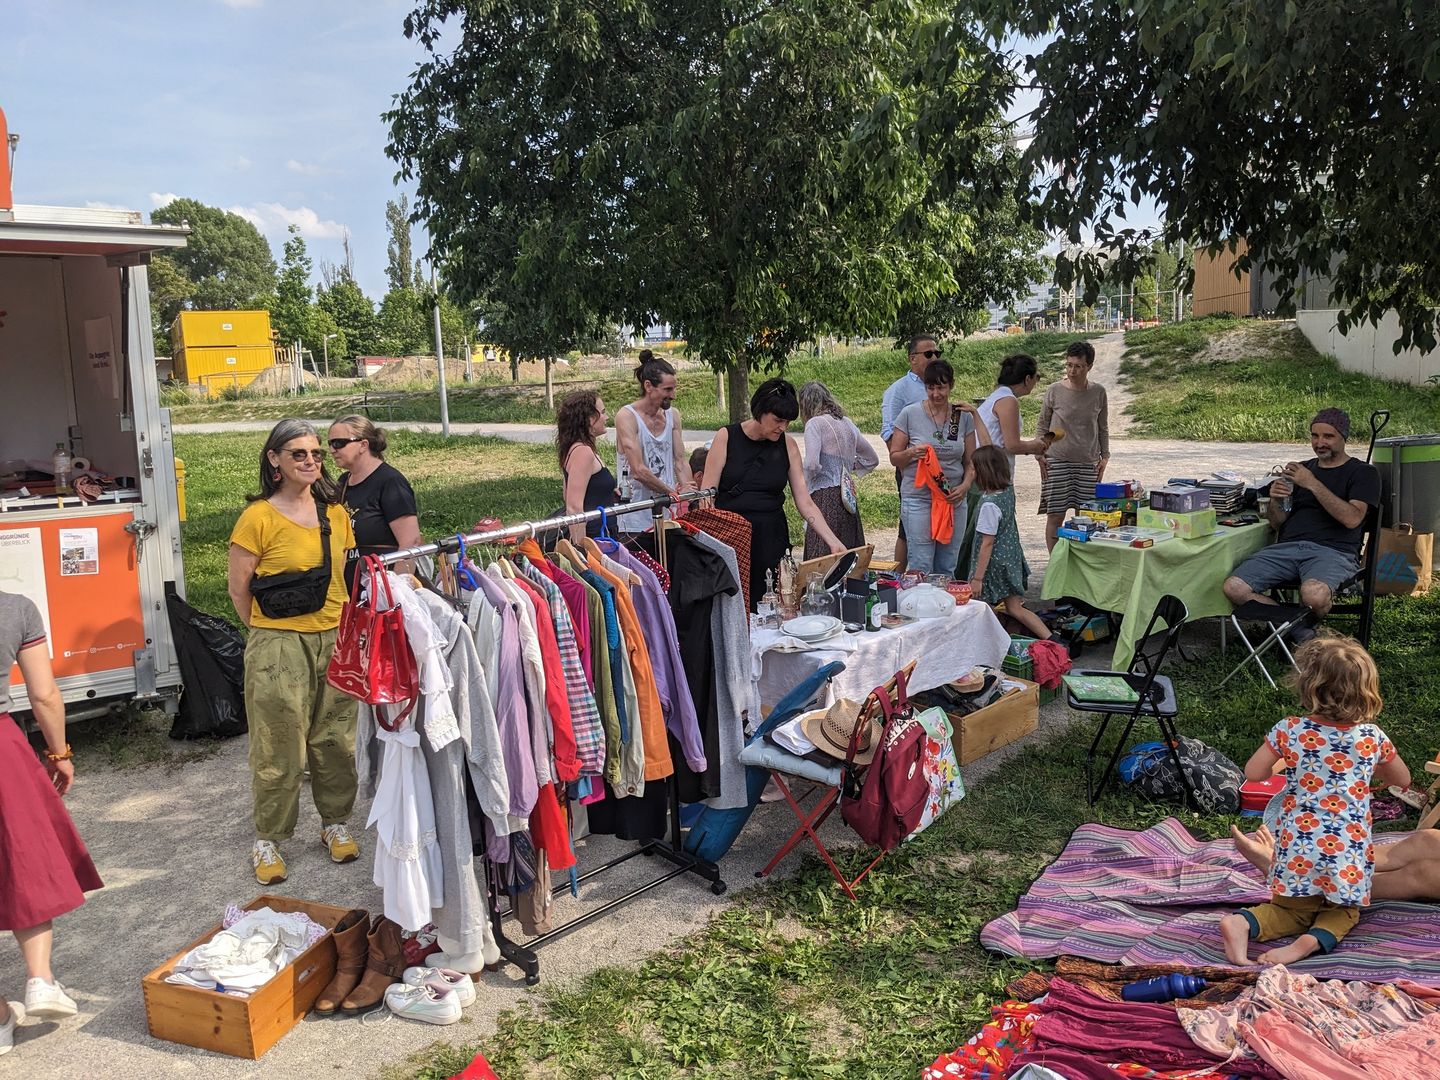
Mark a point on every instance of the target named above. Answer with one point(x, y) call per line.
point(816, 600)
point(768, 609)
point(60, 467)
point(874, 609)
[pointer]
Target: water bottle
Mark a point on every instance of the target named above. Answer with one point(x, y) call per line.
point(1163, 988)
point(60, 466)
point(623, 490)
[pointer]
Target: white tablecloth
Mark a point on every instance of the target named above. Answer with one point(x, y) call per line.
point(943, 649)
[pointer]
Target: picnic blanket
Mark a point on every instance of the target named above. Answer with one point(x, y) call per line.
point(1156, 897)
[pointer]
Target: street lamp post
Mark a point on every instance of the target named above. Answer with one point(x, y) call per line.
point(1106, 323)
point(325, 348)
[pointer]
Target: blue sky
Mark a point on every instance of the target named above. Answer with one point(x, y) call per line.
point(270, 108)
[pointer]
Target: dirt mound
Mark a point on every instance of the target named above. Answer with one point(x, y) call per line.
point(279, 379)
point(1255, 339)
point(411, 369)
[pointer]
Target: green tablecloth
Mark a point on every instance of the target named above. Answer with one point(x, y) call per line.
point(1112, 577)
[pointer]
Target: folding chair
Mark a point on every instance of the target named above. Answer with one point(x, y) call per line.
point(1355, 599)
point(1155, 698)
point(827, 782)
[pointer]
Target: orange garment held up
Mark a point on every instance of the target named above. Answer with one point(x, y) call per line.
point(928, 473)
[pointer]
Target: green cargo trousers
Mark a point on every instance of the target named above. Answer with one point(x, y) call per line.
point(295, 716)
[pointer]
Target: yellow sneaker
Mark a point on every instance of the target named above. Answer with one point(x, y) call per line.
point(342, 845)
point(269, 866)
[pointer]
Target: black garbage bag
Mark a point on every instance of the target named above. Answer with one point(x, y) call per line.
point(212, 667)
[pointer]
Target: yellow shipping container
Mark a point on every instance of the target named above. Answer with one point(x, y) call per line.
point(216, 368)
point(230, 329)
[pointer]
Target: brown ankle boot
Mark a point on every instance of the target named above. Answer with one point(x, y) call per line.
point(350, 945)
point(384, 966)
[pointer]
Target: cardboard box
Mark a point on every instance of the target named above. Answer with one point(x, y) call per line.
point(1187, 526)
point(243, 1027)
point(998, 724)
point(1179, 498)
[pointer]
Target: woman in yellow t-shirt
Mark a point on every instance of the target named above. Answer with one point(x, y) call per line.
point(295, 715)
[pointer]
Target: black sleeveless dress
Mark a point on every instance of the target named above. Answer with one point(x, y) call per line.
point(752, 484)
point(599, 491)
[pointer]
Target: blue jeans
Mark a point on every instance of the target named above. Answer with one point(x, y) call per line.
point(923, 553)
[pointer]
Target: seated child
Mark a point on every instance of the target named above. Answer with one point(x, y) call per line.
point(1324, 858)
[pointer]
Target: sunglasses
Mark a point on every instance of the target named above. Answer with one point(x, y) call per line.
point(298, 456)
point(340, 444)
point(929, 354)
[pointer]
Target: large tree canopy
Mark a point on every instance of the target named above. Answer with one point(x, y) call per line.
point(744, 171)
point(1309, 129)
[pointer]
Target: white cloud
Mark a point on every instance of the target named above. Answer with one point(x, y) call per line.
point(242, 162)
point(243, 3)
point(303, 168)
point(95, 205)
point(159, 199)
point(276, 218)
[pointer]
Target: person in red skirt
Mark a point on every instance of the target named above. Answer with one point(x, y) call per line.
point(45, 870)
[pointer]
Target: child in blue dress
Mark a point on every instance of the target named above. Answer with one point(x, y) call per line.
point(1324, 857)
point(999, 573)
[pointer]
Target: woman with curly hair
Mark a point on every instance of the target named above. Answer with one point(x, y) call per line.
point(589, 484)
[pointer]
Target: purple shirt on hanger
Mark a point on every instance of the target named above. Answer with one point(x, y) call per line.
point(657, 623)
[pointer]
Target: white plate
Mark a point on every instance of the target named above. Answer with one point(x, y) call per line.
point(839, 630)
point(812, 627)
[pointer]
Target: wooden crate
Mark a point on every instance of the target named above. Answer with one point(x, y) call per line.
point(998, 724)
point(243, 1027)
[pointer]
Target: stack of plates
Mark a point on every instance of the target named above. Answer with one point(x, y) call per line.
point(813, 628)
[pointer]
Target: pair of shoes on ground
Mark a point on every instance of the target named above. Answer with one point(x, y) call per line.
point(43, 1001)
point(431, 995)
point(369, 960)
point(270, 864)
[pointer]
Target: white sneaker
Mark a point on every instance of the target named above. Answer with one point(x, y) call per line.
point(443, 979)
point(7, 1029)
point(423, 1003)
point(47, 999)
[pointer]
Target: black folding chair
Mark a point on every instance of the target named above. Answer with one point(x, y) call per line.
point(1355, 600)
point(1155, 697)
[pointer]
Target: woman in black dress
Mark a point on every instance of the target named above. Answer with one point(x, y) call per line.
point(589, 484)
point(751, 463)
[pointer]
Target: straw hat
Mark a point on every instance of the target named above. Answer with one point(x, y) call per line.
point(829, 729)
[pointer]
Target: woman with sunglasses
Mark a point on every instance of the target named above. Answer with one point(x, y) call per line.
point(295, 715)
point(379, 498)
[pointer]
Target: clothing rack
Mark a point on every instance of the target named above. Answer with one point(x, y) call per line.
point(671, 850)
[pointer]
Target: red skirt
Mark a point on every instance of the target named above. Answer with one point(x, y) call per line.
point(45, 870)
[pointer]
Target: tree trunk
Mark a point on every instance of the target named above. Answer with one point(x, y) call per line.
point(549, 384)
point(737, 378)
point(720, 392)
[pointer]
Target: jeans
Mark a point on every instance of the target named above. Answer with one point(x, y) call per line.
point(923, 553)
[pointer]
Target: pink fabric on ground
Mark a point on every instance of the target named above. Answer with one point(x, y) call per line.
point(1051, 660)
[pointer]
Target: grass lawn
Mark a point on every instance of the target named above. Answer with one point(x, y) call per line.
point(1240, 380)
point(793, 980)
point(857, 377)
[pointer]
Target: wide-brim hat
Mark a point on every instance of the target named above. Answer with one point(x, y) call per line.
point(830, 730)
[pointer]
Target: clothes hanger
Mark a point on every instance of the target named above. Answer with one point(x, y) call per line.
point(464, 569)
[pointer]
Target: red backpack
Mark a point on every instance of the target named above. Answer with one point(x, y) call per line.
point(894, 789)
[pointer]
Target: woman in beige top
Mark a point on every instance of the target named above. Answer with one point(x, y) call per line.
point(1076, 410)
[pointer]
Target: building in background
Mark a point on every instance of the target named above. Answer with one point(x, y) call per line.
point(217, 350)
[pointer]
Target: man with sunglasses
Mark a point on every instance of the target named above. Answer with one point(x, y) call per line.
point(906, 390)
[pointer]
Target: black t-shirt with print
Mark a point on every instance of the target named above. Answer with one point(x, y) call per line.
point(1308, 520)
point(374, 502)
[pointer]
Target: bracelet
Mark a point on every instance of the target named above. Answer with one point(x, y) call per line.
point(66, 755)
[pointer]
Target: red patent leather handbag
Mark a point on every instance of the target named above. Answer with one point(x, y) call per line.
point(373, 661)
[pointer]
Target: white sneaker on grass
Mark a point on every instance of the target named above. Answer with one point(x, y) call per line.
point(47, 1000)
point(423, 1003)
point(443, 979)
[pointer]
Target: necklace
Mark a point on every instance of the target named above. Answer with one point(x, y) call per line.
point(939, 424)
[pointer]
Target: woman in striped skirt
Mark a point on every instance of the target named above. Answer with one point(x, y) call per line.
point(1074, 409)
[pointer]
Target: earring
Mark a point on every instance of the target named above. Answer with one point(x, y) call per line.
point(276, 474)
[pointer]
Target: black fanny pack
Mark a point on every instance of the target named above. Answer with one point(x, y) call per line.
point(300, 592)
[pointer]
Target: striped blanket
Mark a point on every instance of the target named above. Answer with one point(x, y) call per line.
point(1156, 897)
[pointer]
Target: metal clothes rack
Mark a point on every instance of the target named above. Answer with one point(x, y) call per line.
point(672, 850)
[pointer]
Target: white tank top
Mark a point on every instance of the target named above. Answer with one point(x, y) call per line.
point(659, 457)
point(992, 422)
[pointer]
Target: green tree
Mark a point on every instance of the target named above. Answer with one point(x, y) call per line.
point(353, 313)
point(1309, 130)
point(747, 174)
point(170, 290)
point(225, 257)
point(397, 249)
point(291, 314)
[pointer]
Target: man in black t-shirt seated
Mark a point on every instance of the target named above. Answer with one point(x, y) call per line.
point(1318, 542)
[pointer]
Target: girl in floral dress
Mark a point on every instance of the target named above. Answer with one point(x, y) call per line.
point(999, 573)
point(1324, 858)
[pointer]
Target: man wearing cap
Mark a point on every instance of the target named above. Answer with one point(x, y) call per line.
point(1318, 538)
point(906, 390)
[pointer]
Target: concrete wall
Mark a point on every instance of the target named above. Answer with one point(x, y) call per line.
point(1368, 349)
